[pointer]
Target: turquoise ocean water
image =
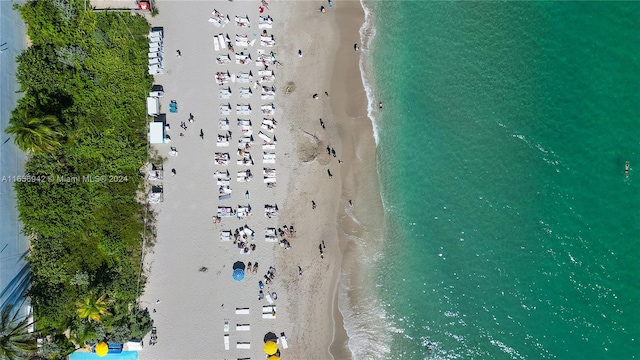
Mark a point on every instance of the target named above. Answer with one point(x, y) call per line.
point(511, 229)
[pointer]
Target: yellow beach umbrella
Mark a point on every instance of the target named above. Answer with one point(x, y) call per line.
point(102, 349)
point(270, 347)
point(273, 357)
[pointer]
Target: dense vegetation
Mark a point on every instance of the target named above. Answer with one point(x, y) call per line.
point(82, 120)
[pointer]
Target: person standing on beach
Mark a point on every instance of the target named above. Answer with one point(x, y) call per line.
point(201, 134)
point(313, 205)
point(355, 47)
point(300, 52)
point(178, 53)
point(173, 172)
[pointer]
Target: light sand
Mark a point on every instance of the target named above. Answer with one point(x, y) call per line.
point(190, 316)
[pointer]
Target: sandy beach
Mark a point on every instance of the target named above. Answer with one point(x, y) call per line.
point(189, 306)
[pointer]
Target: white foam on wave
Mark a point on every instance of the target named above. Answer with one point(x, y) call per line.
point(367, 34)
point(365, 318)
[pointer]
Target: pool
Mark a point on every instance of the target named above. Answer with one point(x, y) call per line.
point(125, 355)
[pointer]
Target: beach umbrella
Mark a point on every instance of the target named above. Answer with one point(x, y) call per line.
point(238, 265)
point(270, 337)
point(273, 357)
point(238, 274)
point(102, 349)
point(270, 347)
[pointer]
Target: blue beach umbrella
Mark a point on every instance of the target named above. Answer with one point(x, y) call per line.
point(238, 274)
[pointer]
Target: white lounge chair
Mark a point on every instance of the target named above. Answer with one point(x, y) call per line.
point(243, 327)
point(222, 42)
point(268, 316)
point(243, 345)
point(226, 325)
point(242, 311)
point(216, 44)
point(226, 341)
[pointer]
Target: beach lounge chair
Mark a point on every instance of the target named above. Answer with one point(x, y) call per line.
point(225, 109)
point(245, 158)
point(242, 21)
point(264, 137)
point(242, 40)
point(268, 316)
point(225, 235)
point(225, 93)
point(245, 93)
point(223, 124)
point(242, 311)
point(226, 211)
point(226, 325)
point(269, 300)
point(267, 41)
point(243, 327)
point(243, 345)
point(283, 340)
point(223, 59)
point(222, 42)
point(226, 341)
point(243, 59)
point(243, 109)
point(268, 109)
point(268, 158)
point(216, 44)
point(244, 77)
point(221, 174)
point(267, 309)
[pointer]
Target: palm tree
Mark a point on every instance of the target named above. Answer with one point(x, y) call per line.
point(15, 341)
point(91, 308)
point(34, 134)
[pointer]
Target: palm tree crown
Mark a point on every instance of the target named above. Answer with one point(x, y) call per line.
point(35, 134)
point(91, 308)
point(15, 341)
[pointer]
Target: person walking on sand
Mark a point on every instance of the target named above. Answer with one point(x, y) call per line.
point(329, 173)
point(322, 124)
point(201, 134)
point(173, 172)
point(300, 52)
point(178, 53)
point(313, 205)
point(355, 47)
